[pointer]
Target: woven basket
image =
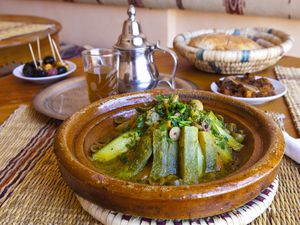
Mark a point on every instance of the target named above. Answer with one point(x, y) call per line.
point(275, 44)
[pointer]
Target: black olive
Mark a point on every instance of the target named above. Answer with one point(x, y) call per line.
point(32, 64)
point(61, 69)
point(34, 72)
point(39, 73)
point(48, 60)
point(28, 70)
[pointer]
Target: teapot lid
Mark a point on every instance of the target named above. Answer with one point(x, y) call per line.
point(132, 36)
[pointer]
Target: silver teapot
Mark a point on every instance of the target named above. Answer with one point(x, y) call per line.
point(137, 69)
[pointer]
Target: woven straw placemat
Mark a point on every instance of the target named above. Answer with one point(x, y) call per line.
point(33, 192)
point(290, 76)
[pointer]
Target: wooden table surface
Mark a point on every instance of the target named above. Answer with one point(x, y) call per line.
point(14, 91)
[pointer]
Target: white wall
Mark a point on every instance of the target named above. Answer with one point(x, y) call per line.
point(100, 25)
point(89, 23)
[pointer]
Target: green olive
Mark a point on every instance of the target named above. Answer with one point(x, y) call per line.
point(239, 137)
point(232, 127)
point(220, 117)
point(197, 104)
point(174, 133)
point(146, 107)
point(174, 98)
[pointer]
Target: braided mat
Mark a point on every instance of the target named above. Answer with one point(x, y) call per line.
point(33, 192)
point(290, 76)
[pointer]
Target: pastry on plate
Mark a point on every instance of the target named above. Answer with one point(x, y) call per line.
point(221, 41)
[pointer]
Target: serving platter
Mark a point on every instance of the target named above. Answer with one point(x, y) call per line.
point(62, 99)
point(280, 90)
point(18, 72)
point(264, 148)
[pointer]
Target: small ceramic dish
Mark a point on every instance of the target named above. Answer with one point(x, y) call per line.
point(260, 158)
point(280, 90)
point(17, 72)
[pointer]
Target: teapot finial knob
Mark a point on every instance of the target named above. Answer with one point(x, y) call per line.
point(131, 12)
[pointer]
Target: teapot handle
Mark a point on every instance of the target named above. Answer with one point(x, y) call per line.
point(171, 82)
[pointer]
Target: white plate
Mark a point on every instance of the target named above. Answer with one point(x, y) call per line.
point(280, 90)
point(17, 72)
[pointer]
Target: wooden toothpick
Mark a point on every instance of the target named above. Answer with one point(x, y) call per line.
point(57, 52)
point(51, 46)
point(39, 51)
point(32, 55)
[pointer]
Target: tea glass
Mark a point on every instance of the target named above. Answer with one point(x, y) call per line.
point(101, 68)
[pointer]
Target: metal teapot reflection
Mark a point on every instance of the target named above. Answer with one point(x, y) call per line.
point(137, 70)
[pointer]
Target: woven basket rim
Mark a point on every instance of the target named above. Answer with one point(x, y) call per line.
point(181, 40)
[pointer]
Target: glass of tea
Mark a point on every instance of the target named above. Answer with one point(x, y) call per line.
point(101, 68)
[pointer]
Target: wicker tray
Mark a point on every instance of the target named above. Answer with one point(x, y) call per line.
point(275, 44)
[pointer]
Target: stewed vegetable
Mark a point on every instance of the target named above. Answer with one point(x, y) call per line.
point(170, 142)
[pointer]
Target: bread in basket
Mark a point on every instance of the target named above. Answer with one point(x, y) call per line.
point(274, 44)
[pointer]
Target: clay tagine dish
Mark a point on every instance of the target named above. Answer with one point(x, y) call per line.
point(260, 159)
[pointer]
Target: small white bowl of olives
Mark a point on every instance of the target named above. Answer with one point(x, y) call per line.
point(46, 72)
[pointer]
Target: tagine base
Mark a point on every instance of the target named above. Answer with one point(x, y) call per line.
point(240, 216)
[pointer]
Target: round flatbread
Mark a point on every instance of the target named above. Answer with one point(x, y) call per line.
point(221, 41)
